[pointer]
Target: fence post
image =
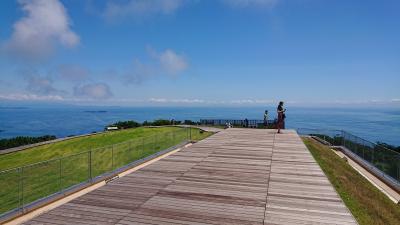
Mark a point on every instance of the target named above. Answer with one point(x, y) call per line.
point(155, 143)
point(363, 149)
point(112, 157)
point(90, 165)
point(141, 155)
point(22, 190)
point(60, 175)
point(373, 155)
point(343, 139)
point(398, 168)
point(190, 133)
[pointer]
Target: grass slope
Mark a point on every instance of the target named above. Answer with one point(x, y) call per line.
point(81, 144)
point(366, 203)
point(68, 161)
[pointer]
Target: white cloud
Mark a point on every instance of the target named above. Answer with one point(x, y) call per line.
point(31, 97)
point(41, 85)
point(187, 101)
point(251, 3)
point(93, 91)
point(162, 63)
point(172, 62)
point(251, 101)
point(45, 24)
point(140, 8)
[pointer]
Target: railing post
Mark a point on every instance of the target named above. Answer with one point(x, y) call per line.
point(60, 175)
point(90, 165)
point(112, 157)
point(363, 149)
point(398, 168)
point(22, 190)
point(155, 143)
point(141, 154)
point(343, 139)
point(190, 133)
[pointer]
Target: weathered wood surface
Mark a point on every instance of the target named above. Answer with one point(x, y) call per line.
point(237, 176)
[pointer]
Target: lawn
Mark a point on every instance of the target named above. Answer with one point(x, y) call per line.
point(366, 202)
point(67, 162)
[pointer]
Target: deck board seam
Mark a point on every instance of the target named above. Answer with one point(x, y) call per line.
point(162, 189)
point(269, 178)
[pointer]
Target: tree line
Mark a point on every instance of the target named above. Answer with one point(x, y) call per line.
point(161, 122)
point(23, 140)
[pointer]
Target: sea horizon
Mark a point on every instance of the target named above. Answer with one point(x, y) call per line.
point(371, 123)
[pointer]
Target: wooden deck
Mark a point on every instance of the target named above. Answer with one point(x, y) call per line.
point(237, 176)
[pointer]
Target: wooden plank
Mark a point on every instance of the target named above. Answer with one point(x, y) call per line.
point(237, 176)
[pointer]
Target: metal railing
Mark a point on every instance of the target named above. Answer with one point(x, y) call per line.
point(384, 162)
point(27, 185)
point(236, 123)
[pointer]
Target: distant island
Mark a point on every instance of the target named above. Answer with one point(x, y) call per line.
point(95, 111)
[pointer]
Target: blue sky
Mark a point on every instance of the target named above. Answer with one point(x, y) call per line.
point(192, 52)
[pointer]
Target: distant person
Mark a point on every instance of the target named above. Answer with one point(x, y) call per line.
point(281, 117)
point(266, 118)
point(246, 122)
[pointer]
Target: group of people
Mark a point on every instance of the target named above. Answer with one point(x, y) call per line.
point(280, 122)
point(281, 117)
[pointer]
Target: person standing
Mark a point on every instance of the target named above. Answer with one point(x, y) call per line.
point(266, 118)
point(281, 117)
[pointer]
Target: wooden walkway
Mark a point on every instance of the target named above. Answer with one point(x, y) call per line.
point(237, 176)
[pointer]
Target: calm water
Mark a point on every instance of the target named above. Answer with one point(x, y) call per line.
point(371, 124)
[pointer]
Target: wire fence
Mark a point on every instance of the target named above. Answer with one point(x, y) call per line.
point(20, 187)
point(383, 159)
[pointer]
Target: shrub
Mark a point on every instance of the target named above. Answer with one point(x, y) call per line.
point(23, 140)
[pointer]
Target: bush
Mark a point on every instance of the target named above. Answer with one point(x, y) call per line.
point(23, 140)
point(189, 122)
point(126, 124)
point(161, 122)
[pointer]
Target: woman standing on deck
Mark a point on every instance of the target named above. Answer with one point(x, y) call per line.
point(281, 117)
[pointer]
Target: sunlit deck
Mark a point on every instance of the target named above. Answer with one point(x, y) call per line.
point(237, 176)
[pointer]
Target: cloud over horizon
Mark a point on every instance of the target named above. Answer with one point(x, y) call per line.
point(166, 62)
point(45, 25)
point(96, 91)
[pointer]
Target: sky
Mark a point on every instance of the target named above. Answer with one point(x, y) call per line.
point(200, 52)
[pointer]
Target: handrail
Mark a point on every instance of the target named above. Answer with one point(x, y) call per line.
point(382, 161)
point(317, 129)
point(79, 153)
point(21, 188)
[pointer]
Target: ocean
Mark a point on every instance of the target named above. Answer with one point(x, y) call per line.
point(373, 124)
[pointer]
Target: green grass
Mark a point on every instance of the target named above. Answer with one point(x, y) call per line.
point(67, 161)
point(366, 202)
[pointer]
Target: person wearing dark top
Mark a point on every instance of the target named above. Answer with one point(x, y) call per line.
point(281, 117)
point(266, 118)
